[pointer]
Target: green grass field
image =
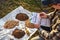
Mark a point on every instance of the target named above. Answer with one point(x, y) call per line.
point(7, 6)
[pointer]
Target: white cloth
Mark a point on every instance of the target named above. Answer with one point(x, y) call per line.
point(35, 19)
point(11, 16)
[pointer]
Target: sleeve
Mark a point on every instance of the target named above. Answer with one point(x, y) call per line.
point(50, 15)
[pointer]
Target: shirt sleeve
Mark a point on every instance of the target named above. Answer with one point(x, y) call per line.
point(50, 15)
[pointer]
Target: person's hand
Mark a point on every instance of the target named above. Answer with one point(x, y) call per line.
point(37, 26)
point(43, 15)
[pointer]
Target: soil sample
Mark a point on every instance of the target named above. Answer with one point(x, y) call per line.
point(18, 33)
point(22, 16)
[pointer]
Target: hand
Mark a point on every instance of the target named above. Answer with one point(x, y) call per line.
point(43, 15)
point(37, 25)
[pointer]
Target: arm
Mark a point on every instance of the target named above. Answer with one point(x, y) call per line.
point(52, 14)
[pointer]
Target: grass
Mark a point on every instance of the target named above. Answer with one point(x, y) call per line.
point(7, 6)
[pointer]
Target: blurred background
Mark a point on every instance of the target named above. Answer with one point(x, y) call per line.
point(7, 6)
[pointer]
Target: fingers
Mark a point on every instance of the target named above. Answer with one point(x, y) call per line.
point(43, 15)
